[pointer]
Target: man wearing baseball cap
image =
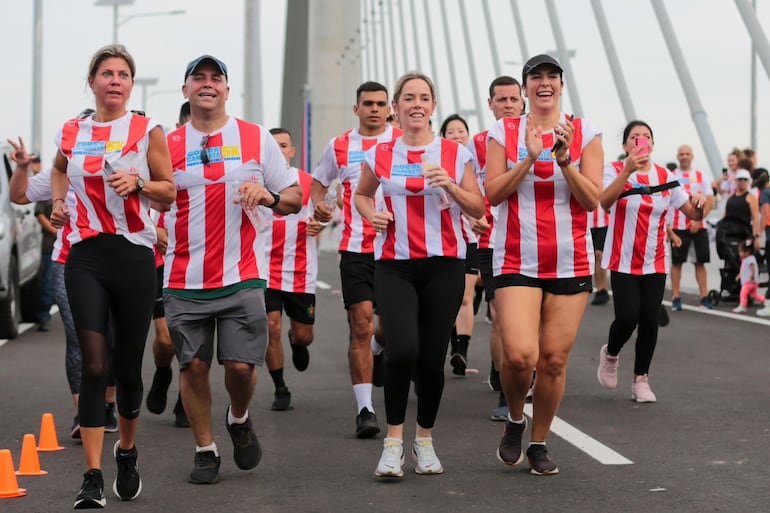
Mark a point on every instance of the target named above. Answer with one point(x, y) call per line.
point(226, 171)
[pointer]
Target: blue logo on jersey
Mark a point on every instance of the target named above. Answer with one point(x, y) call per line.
point(545, 155)
point(355, 157)
point(90, 148)
point(407, 170)
point(193, 158)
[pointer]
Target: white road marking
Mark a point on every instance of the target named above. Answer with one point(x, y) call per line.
point(750, 316)
point(582, 441)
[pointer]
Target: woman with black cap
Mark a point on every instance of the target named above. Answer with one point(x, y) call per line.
point(544, 169)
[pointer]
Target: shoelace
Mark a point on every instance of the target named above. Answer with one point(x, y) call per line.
point(391, 453)
point(424, 450)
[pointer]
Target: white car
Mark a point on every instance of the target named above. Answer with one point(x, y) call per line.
point(20, 240)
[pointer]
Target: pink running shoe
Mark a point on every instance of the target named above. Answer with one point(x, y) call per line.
point(608, 369)
point(641, 391)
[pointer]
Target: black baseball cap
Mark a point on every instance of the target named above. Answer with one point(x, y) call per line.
point(205, 58)
point(536, 62)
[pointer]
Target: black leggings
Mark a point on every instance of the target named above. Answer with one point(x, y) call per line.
point(417, 301)
point(108, 274)
point(637, 301)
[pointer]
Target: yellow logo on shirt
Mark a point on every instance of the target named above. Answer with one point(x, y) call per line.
point(113, 146)
point(229, 152)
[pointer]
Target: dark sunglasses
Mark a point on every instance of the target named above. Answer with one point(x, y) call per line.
point(742, 179)
point(204, 154)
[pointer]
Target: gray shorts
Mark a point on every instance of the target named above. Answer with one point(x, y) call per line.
point(239, 319)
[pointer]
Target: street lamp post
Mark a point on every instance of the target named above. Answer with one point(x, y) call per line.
point(117, 22)
point(144, 83)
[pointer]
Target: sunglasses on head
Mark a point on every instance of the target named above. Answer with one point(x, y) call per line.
point(204, 154)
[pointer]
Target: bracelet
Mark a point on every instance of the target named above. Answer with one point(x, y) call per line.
point(58, 199)
point(566, 162)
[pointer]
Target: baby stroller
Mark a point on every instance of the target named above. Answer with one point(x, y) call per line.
point(730, 233)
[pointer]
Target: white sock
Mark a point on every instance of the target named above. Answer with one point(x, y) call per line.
point(376, 348)
point(231, 419)
point(520, 421)
point(363, 392)
point(210, 447)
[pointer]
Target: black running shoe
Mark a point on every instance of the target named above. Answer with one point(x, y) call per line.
point(459, 364)
point(509, 450)
point(300, 356)
point(180, 417)
point(366, 424)
point(540, 463)
point(494, 378)
point(128, 484)
point(246, 449)
point(156, 397)
point(91, 495)
point(206, 470)
point(110, 418)
point(601, 297)
point(75, 429)
point(282, 401)
point(378, 371)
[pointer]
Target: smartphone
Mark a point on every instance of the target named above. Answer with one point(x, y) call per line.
point(109, 171)
point(642, 145)
point(556, 147)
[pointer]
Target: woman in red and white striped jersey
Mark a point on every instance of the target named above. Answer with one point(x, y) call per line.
point(427, 183)
point(116, 162)
point(639, 195)
point(544, 170)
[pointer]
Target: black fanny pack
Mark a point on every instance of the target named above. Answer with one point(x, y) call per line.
point(649, 189)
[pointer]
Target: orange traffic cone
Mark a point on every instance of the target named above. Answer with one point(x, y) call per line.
point(48, 439)
point(9, 487)
point(29, 464)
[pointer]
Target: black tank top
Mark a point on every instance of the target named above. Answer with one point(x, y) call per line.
point(738, 208)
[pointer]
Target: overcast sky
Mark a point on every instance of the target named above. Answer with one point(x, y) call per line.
point(710, 32)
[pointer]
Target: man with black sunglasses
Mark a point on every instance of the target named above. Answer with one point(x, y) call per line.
point(227, 171)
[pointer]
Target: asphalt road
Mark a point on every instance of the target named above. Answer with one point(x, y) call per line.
point(700, 448)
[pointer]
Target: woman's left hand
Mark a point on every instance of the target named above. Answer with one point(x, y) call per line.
point(122, 183)
point(698, 200)
point(436, 176)
point(563, 132)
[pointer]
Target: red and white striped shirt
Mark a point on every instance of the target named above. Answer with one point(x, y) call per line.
point(211, 241)
point(159, 219)
point(342, 159)
point(87, 144)
point(292, 253)
point(542, 230)
point(636, 237)
point(478, 148)
point(420, 229)
point(39, 189)
point(692, 182)
point(599, 218)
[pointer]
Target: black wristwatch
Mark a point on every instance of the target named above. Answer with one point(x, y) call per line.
point(276, 197)
point(139, 184)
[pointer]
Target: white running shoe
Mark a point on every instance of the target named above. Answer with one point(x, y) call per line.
point(392, 459)
point(740, 309)
point(427, 461)
point(607, 373)
point(641, 391)
point(764, 312)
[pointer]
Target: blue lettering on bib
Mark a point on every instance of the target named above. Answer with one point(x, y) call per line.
point(90, 148)
point(407, 170)
point(545, 155)
point(355, 157)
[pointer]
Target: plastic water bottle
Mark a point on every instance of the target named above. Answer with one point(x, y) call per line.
point(442, 198)
point(258, 219)
point(330, 200)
